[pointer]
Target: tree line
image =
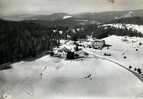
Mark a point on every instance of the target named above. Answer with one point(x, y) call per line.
point(25, 39)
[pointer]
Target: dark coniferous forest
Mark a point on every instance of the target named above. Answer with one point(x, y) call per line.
point(25, 40)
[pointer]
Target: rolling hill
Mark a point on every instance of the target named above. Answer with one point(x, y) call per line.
point(130, 20)
point(97, 17)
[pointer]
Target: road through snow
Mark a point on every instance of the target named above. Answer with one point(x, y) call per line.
point(140, 77)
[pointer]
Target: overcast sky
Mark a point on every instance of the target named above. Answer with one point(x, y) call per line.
point(18, 7)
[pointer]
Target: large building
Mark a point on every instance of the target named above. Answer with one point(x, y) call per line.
point(98, 44)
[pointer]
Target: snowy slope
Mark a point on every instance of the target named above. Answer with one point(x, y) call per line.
point(47, 78)
point(124, 46)
point(127, 15)
point(67, 17)
point(120, 48)
point(139, 28)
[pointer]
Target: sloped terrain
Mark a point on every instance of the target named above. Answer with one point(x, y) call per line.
point(50, 77)
point(129, 20)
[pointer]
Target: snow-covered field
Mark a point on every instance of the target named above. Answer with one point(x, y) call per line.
point(91, 78)
point(48, 78)
point(129, 48)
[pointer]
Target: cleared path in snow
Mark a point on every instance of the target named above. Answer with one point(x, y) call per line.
point(140, 77)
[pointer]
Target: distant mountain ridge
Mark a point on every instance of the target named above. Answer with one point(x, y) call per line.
point(129, 20)
point(100, 17)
